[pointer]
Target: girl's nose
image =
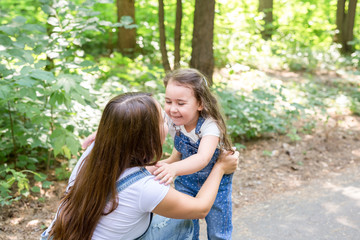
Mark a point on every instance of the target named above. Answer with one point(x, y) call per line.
point(173, 108)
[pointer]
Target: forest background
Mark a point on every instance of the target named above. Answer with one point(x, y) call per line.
point(61, 61)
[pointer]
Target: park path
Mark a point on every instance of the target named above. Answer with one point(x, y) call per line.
point(325, 209)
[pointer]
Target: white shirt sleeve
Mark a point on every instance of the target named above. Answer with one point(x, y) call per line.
point(152, 194)
point(209, 127)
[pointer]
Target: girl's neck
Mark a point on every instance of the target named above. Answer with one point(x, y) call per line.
point(191, 126)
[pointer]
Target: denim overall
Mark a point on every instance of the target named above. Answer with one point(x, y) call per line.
point(160, 228)
point(219, 219)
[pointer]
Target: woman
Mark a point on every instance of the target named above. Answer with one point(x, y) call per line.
point(112, 196)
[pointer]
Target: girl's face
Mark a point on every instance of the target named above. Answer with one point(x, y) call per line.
point(181, 105)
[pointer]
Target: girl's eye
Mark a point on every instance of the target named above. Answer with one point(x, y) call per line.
point(180, 103)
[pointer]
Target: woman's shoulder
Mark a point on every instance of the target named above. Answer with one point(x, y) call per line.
point(141, 176)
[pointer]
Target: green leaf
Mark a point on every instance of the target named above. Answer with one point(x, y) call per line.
point(53, 21)
point(67, 82)
point(5, 41)
point(28, 57)
point(46, 184)
point(34, 28)
point(5, 92)
point(40, 177)
point(9, 30)
point(43, 75)
point(56, 97)
point(47, 9)
point(26, 81)
point(72, 144)
point(35, 189)
point(30, 93)
point(19, 19)
point(66, 151)
point(58, 132)
point(87, 63)
point(21, 41)
point(4, 72)
point(41, 64)
point(17, 53)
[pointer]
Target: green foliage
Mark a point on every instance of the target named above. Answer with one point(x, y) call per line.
point(8, 178)
point(129, 75)
point(250, 116)
point(42, 76)
point(309, 127)
point(302, 39)
point(292, 134)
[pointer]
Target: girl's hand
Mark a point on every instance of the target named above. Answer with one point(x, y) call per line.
point(151, 169)
point(88, 140)
point(228, 162)
point(165, 173)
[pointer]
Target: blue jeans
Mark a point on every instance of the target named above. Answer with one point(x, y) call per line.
point(162, 228)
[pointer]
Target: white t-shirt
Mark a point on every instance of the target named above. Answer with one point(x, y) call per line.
point(132, 216)
point(209, 127)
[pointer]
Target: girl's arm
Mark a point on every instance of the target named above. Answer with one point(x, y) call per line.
point(89, 140)
point(167, 172)
point(181, 206)
point(175, 156)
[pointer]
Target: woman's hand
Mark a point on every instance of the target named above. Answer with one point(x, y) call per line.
point(228, 161)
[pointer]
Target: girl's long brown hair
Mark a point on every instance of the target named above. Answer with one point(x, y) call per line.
point(128, 135)
point(194, 79)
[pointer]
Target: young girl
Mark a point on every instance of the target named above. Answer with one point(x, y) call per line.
point(199, 133)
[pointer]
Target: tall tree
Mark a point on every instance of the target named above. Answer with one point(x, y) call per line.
point(266, 7)
point(202, 56)
point(177, 34)
point(345, 20)
point(126, 36)
point(163, 50)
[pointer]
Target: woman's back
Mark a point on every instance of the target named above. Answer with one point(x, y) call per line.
point(132, 216)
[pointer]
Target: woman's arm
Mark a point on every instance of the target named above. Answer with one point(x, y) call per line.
point(181, 206)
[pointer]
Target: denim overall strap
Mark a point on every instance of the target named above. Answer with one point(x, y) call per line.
point(200, 122)
point(131, 178)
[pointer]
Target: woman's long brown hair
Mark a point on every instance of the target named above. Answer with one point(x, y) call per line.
point(128, 135)
point(194, 79)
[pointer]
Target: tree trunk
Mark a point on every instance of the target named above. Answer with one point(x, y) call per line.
point(266, 7)
point(177, 34)
point(164, 56)
point(126, 37)
point(202, 56)
point(345, 24)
